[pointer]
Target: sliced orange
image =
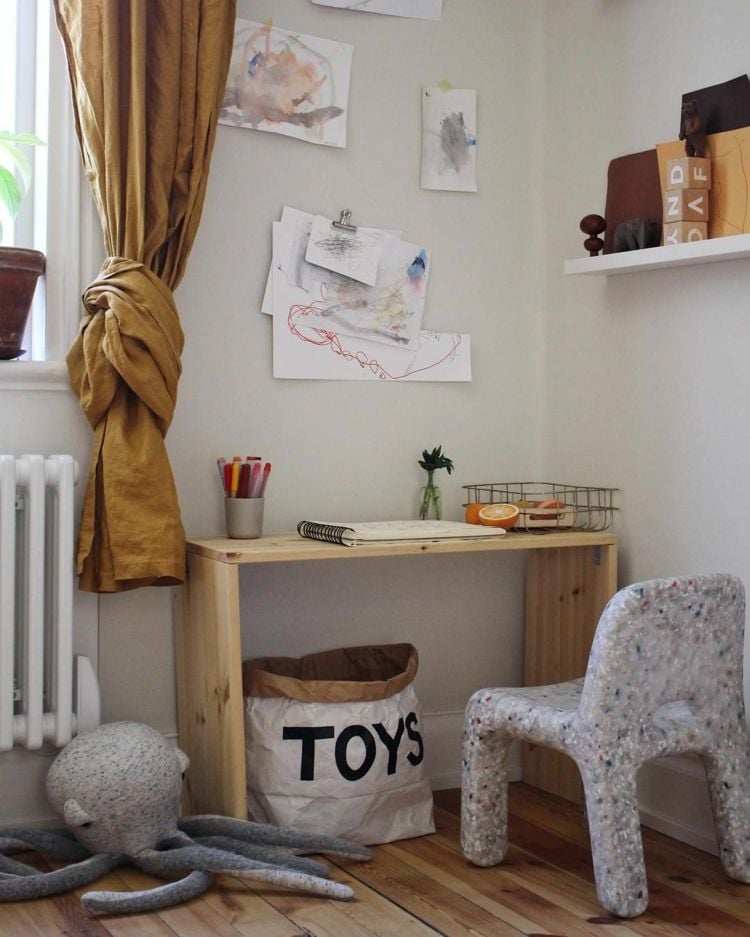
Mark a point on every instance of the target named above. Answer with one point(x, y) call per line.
point(499, 515)
point(471, 514)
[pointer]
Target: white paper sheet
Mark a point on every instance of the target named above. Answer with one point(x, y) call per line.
point(288, 83)
point(417, 9)
point(352, 253)
point(449, 139)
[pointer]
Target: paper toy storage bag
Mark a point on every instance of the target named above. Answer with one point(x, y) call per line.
point(334, 743)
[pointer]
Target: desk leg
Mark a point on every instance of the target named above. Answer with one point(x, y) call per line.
point(566, 591)
point(209, 688)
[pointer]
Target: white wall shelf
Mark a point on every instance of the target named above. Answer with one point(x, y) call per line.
point(674, 255)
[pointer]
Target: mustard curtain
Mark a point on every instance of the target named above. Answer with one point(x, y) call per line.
point(147, 78)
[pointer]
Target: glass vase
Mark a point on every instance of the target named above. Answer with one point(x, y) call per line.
point(429, 501)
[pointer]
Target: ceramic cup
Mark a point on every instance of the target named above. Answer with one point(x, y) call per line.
point(244, 517)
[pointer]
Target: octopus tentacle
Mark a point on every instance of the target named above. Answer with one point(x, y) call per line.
point(10, 866)
point(270, 854)
point(151, 899)
point(43, 884)
point(56, 844)
point(216, 860)
point(265, 834)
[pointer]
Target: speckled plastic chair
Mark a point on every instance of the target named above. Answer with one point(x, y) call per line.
point(664, 676)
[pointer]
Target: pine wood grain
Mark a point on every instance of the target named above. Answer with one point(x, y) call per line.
point(425, 888)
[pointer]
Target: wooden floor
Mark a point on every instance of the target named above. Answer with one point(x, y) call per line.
point(423, 887)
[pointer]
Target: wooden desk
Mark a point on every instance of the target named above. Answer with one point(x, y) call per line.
point(570, 577)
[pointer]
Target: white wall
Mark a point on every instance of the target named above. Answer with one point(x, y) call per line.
point(350, 449)
point(646, 373)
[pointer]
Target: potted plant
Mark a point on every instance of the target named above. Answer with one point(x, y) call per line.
point(20, 267)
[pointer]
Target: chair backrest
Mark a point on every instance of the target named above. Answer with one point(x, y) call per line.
point(667, 641)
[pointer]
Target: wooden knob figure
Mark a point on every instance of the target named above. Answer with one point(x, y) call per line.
point(593, 225)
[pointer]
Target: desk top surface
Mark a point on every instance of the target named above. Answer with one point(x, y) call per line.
point(289, 547)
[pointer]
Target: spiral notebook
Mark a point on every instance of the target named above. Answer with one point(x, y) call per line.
point(349, 535)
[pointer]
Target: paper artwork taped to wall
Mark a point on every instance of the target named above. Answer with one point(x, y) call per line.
point(449, 139)
point(415, 9)
point(355, 254)
point(288, 83)
point(389, 312)
point(327, 326)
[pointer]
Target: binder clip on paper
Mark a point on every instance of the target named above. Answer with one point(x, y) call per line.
point(345, 222)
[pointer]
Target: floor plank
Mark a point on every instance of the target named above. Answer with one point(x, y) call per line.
point(425, 888)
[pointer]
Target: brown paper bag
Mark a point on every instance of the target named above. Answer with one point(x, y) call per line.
point(334, 743)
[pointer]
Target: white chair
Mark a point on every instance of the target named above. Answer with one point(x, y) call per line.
point(664, 676)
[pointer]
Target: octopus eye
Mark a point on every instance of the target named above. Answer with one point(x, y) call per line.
point(87, 824)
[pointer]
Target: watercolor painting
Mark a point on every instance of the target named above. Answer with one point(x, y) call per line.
point(449, 139)
point(415, 9)
point(288, 83)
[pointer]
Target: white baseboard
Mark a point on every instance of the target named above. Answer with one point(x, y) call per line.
point(443, 733)
point(673, 799)
point(22, 778)
point(672, 792)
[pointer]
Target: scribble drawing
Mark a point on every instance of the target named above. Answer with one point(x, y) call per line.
point(340, 247)
point(449, 141)
point(287, 83)
point(328, 339)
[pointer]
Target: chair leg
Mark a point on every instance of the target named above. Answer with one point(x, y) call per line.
point(616, 843)
point(484, 792)
point(728, 774)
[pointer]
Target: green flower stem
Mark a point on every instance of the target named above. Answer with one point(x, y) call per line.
point(429, 502)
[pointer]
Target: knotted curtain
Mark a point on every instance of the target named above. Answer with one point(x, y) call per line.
point(147, 79)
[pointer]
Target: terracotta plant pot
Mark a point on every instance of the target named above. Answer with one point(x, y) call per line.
point(19, 270)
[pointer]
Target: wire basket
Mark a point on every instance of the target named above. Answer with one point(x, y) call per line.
point(549, 505)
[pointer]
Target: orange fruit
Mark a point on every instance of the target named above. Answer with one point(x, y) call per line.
point(471, 514)
point(499, 515)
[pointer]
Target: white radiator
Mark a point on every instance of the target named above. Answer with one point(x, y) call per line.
point(40, 701)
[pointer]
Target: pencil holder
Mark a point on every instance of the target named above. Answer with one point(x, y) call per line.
point(244, 517)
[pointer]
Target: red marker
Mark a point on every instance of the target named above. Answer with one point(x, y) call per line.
point(255, 475)
point(244, 488)
point(266, 473)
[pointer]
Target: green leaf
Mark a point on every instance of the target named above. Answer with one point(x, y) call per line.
point(10, 194)
point(435, 460)
point(18, 161)
point(29, 138)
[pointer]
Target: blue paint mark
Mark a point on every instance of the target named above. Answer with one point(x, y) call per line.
point(416, 269)
point(255, 62)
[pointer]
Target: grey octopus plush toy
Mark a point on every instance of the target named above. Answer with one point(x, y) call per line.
point(118, 789)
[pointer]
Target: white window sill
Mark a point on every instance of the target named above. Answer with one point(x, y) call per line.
point(34, 375)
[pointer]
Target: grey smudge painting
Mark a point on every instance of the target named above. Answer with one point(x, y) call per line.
point(449, 139)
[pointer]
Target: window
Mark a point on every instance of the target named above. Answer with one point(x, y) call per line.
point(56, 215)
